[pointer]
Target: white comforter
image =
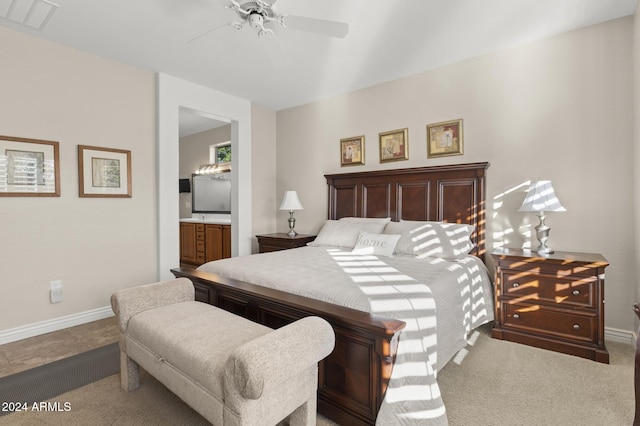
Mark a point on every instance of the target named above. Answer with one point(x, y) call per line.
point(441, 302)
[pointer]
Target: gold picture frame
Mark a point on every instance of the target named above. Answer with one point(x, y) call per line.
point(394, 145)
point(445, 138)
point(29, 167)
point(104, 172)
point(352, 151)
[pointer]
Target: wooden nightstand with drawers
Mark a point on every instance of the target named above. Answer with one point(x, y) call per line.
point(282, 241)
point(553, 302)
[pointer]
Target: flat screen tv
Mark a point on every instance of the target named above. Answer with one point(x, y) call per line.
point(211, 193)
point(184, 185)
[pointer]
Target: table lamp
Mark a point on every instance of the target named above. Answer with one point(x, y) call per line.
point(541, 198)
point(291, 202)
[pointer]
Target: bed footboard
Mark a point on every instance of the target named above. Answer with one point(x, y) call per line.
point(352, 380)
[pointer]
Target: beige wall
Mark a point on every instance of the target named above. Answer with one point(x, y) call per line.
point(560, 108)
point(95, 246)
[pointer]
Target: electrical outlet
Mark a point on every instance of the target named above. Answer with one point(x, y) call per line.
point(55, 291)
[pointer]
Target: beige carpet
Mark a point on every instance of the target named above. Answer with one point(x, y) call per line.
point(496, 383)
point(505, 383)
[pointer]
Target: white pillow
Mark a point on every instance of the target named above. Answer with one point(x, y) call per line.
point(376, 244)
point(344, 233)
point(432, 239)
point(383, 220)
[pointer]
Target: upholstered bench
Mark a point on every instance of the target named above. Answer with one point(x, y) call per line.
point(229, 369)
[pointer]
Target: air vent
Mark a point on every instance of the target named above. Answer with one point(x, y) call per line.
point(34, 14)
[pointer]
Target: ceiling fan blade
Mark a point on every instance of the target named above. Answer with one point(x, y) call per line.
point(313, 25)
point(276, 54)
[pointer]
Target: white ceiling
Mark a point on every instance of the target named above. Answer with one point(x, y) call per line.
point(192, 122)
point(387, 40)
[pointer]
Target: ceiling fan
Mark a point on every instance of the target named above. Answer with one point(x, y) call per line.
point(262, 16)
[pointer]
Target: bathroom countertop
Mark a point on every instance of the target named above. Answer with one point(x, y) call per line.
point(211, 220)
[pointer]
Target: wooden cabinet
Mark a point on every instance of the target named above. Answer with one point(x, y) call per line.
point(554, 301)
point(200, 242)
point(188, 243)
point(218, 242)
point(282, 241)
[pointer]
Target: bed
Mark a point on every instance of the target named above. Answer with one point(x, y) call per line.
point(384, 310)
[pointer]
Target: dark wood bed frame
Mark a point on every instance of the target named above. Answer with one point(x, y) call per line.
point(636, 374)
point(353, 379)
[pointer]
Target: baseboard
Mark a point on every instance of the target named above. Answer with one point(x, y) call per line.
point(621, 336)
point(36, 329)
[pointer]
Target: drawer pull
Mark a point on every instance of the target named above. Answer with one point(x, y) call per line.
point(516, 316)
point(515, 285)
point(576, 326)
point(576, 292)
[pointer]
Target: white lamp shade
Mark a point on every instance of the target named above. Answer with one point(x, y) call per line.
point(541, 198)
point(291, 202)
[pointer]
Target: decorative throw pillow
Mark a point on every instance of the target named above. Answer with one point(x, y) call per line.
point(344, 233)
point(432, 239)
point(376, 244)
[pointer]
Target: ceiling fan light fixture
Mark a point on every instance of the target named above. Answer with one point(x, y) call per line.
point(256, 20)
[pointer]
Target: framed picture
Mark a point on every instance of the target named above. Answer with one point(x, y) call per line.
point(104, 172)
point(352, 151)
point(394, 145)
point(29, 167)
point(444, 139)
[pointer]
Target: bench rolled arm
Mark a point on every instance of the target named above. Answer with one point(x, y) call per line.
point(131, 301)
point(277, 356)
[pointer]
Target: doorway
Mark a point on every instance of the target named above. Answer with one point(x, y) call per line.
point(173, 95)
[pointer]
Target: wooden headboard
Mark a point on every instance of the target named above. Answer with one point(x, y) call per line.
point(452, 193)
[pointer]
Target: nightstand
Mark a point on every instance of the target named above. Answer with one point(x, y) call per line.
point(282, 241)
point(553, 302)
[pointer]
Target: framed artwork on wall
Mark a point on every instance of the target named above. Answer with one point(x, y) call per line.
point(352, 151)
point(104, 172)
point(29, 167)
point(444, 139)
point(394, 145)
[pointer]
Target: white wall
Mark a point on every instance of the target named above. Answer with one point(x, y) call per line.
point(263, 178)
point(94, 245)
point(560, 108)
point(636, 145)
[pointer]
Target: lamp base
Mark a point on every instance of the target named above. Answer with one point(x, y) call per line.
point(542, 232)
point(292, 223)
point(542, 250)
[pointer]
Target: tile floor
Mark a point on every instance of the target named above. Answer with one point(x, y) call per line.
point(34, 351)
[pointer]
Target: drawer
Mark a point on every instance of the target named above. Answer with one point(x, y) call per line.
point(565, 268)
point(200, 257)
point(199, 227)
point(279, 244)
point(564, 291)
point(200, 235)
point(267, 248)
point(200, 246)
point(537, 319)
